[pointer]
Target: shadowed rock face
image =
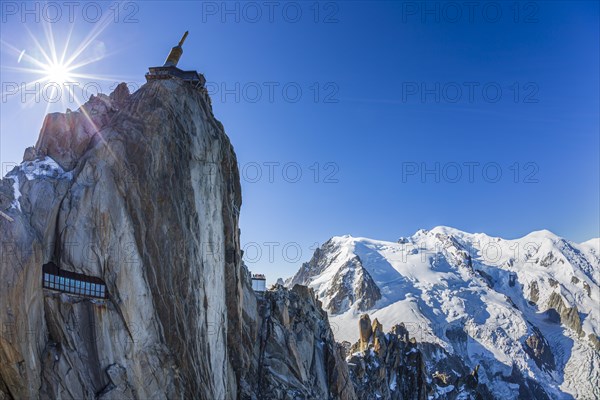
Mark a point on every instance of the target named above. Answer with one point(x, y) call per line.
point(351, 286)
point(569, 316)
point(298, 357)
point(539, 350)
point(150, 206)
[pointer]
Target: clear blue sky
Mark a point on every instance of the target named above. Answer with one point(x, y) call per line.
point(367, 119)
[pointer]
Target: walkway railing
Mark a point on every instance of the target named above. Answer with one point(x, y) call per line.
point(73, 283)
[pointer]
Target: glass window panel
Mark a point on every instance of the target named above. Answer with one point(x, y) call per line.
point(93, 287)
point(46, 277)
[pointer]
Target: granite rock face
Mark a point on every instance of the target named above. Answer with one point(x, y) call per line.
point(298, 357)
point(142, 191)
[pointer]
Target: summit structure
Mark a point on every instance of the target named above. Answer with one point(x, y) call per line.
point(169, 69)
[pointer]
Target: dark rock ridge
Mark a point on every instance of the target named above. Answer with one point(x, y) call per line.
point(539, 350)
point(314, 267)
point(352, 285)
point(298, 357)
point(569, 316)
point(392, 366)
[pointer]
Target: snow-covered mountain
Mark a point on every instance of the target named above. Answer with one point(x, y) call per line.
point(523, 309)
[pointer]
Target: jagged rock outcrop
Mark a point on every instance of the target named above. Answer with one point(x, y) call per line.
point(569, 316)
point(539, 350)
point(534, 292)
point(66, 137)
point(298, 356)
point(386, 366)
point(393, 366)
point(351, 285)
point(144, 194)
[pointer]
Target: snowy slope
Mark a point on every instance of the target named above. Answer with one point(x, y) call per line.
point(529, 305)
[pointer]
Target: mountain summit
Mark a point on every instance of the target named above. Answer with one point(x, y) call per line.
point(523, 311)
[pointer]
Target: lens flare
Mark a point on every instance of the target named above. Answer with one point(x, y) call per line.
point(57, 70)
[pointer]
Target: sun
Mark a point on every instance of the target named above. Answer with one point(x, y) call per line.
point(55, 69)
point(57, 73)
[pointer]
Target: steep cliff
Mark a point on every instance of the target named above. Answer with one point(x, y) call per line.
point(142, 192)
point(299, 358)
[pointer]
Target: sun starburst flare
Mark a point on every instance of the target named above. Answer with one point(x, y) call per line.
point(55, 73)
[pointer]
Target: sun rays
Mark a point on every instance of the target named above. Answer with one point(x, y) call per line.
point(55, 73)
point(51, 69)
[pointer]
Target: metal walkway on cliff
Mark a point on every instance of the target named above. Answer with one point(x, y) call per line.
point(72, 283)
point(169, 69)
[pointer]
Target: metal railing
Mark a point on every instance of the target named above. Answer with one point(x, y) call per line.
point(73, 283)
